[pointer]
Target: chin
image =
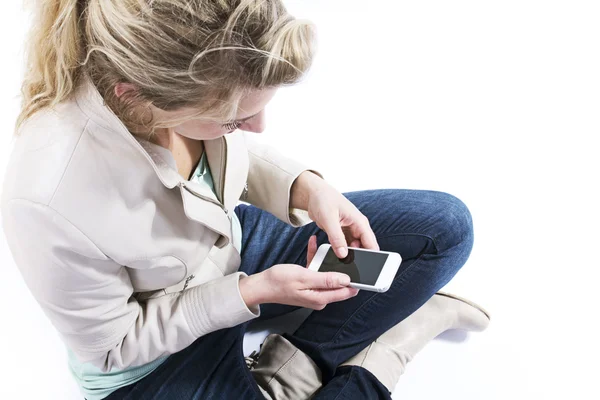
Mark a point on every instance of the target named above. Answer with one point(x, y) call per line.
point(201, 135)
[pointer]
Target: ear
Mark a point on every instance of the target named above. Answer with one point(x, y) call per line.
point(121, 88)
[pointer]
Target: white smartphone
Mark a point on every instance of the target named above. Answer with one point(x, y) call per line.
point(368, 269)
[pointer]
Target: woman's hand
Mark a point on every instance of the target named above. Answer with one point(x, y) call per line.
point(295, 285)
point(344, 224)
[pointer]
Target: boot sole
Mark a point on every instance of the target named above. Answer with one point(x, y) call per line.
point(477, 306)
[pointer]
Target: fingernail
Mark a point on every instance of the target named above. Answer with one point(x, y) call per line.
point(344, 280)
point(342, 251)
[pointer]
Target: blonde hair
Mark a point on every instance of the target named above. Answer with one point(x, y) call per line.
point(203, 54)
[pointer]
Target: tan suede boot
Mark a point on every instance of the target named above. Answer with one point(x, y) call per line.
point(386, 357)
point(284, 372)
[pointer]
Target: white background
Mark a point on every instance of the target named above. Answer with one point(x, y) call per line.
point(495, 102)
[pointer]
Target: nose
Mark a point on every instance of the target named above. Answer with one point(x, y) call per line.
point(256, 124)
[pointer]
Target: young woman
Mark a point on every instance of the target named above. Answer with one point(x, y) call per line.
point(120, 209)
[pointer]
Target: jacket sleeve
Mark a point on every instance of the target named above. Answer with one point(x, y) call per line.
point(270, 179)
point(88, 297)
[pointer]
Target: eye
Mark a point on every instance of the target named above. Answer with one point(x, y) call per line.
point(232, 126)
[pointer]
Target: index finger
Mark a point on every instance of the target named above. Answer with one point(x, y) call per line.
point(336, 237)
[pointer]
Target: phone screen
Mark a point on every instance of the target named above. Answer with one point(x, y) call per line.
point(362, 266)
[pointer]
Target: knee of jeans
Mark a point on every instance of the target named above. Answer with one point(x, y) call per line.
point(456, 223)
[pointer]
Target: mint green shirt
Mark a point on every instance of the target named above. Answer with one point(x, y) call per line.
point(95, 384)
point(203, 177)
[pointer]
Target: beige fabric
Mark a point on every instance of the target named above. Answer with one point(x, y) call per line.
point(128, 260)
point(386, 358)
point(265, 394)
point(285, 372)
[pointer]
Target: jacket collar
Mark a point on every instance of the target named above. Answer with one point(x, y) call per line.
point(161, 160)
point(92, 104)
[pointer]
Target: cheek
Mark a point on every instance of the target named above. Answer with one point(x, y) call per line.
point(200, 130)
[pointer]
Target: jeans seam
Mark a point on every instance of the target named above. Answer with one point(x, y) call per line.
point(345, 384)
point(433, 240)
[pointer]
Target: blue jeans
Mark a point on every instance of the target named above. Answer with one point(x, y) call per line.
point(432, 231)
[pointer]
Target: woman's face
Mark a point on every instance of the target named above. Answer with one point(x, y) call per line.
point(250, 117)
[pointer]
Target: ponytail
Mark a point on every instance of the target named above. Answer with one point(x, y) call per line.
point(54, 56)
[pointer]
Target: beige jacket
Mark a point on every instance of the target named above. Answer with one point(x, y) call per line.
point(129, 260)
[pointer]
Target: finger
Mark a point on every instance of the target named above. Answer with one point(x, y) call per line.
point(324, 280)
point(369, 240)
point(312, 249)
point(346, 291)
point(320, 298)
point(355, 243)
point(366, 234)
point(331, 225)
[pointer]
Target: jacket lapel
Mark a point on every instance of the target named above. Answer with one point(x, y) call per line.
point(227, 158)
point(208, 214)
point(216, 150)
point(196, 205)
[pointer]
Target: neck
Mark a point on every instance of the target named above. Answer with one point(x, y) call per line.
point(187, 152)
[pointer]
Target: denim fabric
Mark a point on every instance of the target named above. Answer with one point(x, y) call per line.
point(432, 231)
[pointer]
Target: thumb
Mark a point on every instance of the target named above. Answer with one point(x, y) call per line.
point(326, 280)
